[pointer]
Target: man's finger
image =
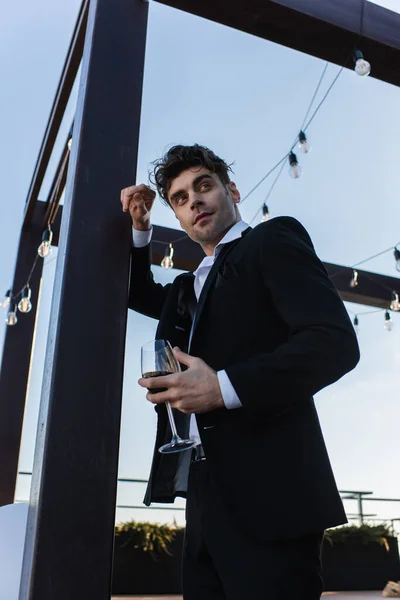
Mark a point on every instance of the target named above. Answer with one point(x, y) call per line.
point(184, 358)
point(165, 381)
point(159, 398)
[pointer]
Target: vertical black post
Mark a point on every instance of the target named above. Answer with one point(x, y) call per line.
point(360, 508)
point(69, 541)
point(16, 358)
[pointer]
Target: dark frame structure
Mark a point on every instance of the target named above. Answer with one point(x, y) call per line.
point(79, 419)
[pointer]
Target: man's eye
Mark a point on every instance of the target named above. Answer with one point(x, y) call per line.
point(204, 186)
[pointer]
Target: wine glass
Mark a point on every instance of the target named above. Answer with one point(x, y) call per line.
point(158, 360)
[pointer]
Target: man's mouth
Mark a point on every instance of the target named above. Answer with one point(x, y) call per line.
point(201, 216)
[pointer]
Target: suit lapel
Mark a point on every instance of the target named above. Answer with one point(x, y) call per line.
point(211, 278)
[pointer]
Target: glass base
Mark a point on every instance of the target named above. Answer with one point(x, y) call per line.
point(176, 445)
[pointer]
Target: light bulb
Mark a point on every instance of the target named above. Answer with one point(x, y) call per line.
point(12, 318)
point(395, 304)
point(45, 247)
point(304, 145)
point(25, 304)
point(167, 261)
point(388, 321)
point(6, 302)
point(295, 169)
point(265, 212)
point(354, 281)
point(356, 325)
point(362, 67)
point(69, 143)
point(397, 258)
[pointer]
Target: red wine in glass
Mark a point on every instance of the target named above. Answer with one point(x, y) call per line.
point(156, 374)
point(157, 360)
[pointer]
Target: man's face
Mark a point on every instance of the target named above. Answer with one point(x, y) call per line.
point(204, 206)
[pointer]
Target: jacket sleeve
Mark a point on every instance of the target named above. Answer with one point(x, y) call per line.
point(322, 345)
point(145, 295)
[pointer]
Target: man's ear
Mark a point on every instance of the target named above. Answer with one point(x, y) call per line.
point(235, 192)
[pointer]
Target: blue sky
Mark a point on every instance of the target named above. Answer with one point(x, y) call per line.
point(245, 98)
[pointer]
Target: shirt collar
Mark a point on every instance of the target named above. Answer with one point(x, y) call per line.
point(234, 233)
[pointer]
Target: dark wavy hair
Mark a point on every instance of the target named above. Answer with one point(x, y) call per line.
point(178, 159)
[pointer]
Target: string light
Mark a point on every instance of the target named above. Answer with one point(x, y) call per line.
point(388, 321)
point(295, 169)
point(25, 304)
point(265, 212)
point(12, 318)
point(303, 143)
point(354, 280)
point(6, 302)
point(395, 304)
point(167, 261)
point(45, 247)
point(361, 66)
point(397, 258)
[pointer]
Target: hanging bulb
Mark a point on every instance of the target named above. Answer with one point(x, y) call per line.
point(388, 321)
point(356, 325)
point(295, 169)
point(354, 281)
point(303, 143)
point(25, 304)
point(395, 304)
point(6, 302)
point(12, 318)
point(167, 261)
point(69, 143)
point(45, 247)
point(362, 67)
point(397, 258)
point(265, 212)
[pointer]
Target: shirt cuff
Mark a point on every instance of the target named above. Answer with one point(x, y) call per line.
point(229, 395)
point(141, 238)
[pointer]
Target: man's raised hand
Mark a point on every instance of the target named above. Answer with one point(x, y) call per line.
point(138, 200)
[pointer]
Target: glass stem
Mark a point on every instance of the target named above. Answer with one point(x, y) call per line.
point(172, 421)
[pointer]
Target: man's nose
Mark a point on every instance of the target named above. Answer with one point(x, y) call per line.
point(195, 200)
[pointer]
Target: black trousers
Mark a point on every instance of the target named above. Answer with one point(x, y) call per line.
point(221, 562)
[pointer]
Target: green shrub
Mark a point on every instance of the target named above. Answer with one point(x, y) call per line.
point(363, 533)
point(148, 537)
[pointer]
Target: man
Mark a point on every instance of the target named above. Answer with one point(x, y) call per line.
point(266, 330)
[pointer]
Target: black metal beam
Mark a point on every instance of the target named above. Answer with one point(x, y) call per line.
point(373, 289)
point(327, 29)
point(63, 93)
point(74, 481)
point(16, 359)
point(59, 180)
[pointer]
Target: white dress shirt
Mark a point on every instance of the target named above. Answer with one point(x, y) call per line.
point(229, 396)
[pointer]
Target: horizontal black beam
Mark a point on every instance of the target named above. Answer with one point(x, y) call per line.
point(187, 254)
point(327, 29)
point(373, 289)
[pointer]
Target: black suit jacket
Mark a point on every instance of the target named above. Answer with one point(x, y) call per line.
point(269, 315)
